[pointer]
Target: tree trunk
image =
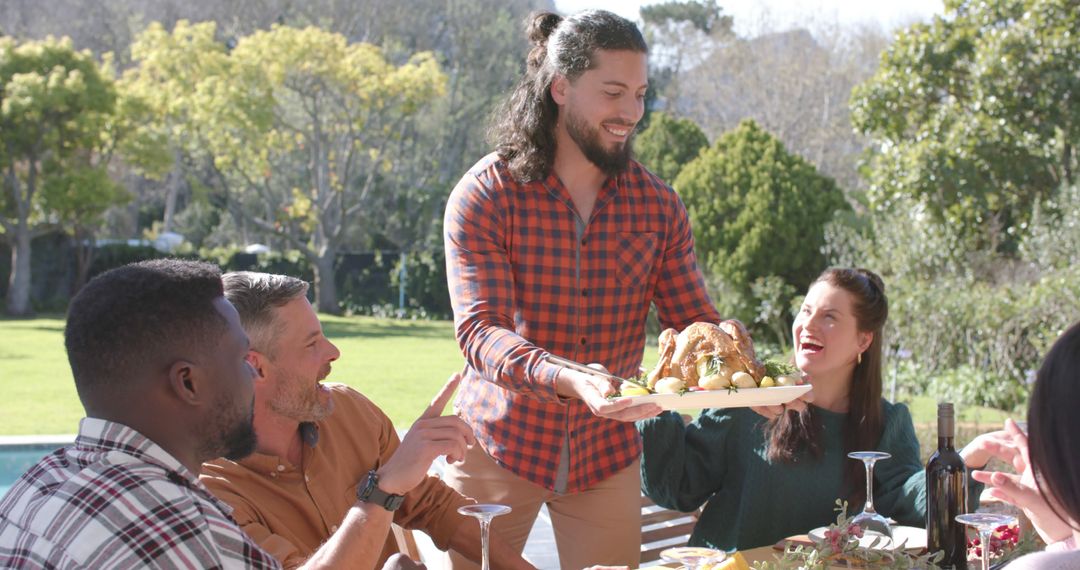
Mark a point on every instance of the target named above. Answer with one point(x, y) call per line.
point(173, 185)
point(18, 295)
point(84, 257)
point(326, 300)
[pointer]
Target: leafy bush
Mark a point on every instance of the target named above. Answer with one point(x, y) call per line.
point(758, 210)
point(668, 144)
point(975, 322)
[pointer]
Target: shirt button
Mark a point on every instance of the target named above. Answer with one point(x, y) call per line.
point(333, 528)
point(584, 241)
point(280, 467)
point(583, 341)
point(584, 292)
point(272, 474)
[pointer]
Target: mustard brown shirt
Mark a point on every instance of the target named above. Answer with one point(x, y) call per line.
point(290, 510)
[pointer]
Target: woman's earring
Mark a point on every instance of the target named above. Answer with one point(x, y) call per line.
point(858, 360)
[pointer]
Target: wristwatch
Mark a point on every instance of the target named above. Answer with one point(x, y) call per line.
point(369, 492)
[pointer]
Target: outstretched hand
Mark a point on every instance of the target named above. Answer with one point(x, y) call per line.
point(430, 436)
point(797, 405)
point(1019, 489)
point(594, 391)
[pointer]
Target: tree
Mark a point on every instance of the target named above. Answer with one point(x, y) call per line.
point(758, 210)
point(795, 84)
point(54, 104)
point(976, 115)
point(703, 15)
point(668, 144)
point(302, 128)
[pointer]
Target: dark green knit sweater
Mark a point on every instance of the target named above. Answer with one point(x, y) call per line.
point(720, 458)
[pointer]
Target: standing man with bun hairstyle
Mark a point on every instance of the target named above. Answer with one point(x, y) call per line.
point(558, 243)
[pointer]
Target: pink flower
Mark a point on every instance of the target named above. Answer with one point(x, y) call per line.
point(855, 530)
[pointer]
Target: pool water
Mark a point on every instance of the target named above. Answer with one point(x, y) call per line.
point(15, 459)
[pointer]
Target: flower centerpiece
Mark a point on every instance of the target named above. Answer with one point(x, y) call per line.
point(841, 546)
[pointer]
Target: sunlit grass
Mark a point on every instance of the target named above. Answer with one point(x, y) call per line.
point(400, 365)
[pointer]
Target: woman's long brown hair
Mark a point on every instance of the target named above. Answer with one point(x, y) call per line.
point(796, 436)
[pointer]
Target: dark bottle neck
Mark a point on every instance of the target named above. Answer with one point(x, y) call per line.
point(944, 442)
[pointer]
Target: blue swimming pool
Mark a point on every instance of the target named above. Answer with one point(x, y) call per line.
point(18, 457)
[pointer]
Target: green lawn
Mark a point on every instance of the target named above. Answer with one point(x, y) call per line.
point(398, 364)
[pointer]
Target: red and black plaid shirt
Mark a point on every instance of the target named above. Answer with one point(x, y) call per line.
point(524, 284)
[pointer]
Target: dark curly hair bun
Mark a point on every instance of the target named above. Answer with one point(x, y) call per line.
point(541, 25)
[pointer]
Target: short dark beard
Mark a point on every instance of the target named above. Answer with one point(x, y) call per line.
point(241, 441)
point(611, 163)
point(230, 436)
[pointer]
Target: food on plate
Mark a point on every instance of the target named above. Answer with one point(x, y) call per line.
point(707, 352)
point(705, 356)
point(669, 385)
point(633, 389)
point(787, 380)
point(782, 373)
point(743, 380)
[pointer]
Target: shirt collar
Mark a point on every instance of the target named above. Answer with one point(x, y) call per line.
point(104, 436)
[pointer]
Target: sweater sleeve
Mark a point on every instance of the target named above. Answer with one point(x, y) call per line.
point(900, 482)
point(683, 465)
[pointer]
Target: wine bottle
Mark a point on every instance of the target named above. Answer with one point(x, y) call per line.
point(946, 495)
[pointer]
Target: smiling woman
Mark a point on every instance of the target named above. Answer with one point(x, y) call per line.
point(767, 474)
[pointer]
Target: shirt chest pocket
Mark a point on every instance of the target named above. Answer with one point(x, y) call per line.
point(636, 255)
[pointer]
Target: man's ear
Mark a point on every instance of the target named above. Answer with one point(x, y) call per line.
point(559, 88)
point(260, 363)
point(186, 382)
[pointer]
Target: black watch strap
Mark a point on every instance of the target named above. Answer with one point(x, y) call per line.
point(369, 492)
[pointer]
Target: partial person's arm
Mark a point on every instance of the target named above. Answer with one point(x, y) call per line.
point(681, 298)
point(1019, 489)
point(900, 481)
point(481, 284)
point(359, 542)
point(682, 466)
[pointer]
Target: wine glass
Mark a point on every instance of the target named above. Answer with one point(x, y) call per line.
point(484, 514)
point(985, 523)
point(869, 520)
point(693, 557)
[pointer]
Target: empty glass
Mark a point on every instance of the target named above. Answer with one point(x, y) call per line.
point(693, 557)
point(484, 514)
point(869, 520)
point(985, 523)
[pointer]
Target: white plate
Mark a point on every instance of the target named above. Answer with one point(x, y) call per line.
point(742, 398)
point(906, 537)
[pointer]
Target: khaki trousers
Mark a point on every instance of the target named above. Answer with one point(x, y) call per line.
point(599, 526)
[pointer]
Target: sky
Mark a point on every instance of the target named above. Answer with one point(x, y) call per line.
point(749, 14)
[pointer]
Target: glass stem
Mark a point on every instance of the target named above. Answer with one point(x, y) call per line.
point(984, 538)
point(484, 529)
point(869, 486)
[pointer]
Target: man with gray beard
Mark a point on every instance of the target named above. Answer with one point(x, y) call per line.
point(329, 474)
